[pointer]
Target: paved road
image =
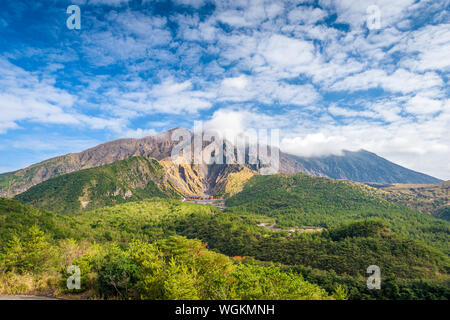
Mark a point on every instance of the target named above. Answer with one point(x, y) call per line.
point(20, 297)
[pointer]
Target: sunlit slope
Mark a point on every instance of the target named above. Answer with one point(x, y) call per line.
point(345, 249)
point(338, 256)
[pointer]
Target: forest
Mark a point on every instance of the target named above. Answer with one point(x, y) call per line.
point(167, 249)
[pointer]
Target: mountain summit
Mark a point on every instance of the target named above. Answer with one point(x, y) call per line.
point(360, 166)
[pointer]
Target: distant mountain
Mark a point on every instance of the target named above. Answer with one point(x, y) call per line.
point(359, 166)
point(158, 147)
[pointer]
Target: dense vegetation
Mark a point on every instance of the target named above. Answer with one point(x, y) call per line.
point(443, 213)
point(132, 179)
point(342, 249)
point(302, 200)
point(33, 259)
point(134, 250)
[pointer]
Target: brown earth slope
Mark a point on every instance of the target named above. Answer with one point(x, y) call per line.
point(432, 199)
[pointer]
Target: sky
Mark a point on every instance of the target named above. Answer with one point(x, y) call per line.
point(325, 73)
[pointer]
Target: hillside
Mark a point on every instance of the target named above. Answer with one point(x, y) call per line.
point(157, 147)
point(301, 200)
point(361, 166)
point(133, 179)
point(430, 199)
point(147, 220)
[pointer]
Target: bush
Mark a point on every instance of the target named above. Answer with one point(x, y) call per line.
point(117, 276)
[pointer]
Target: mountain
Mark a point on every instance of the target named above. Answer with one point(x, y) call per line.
point(361, 166)
point(132, 179)
point(157, 147)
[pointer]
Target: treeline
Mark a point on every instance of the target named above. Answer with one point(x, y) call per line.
point(348, 249)
point(174, 268)
point(336, 257)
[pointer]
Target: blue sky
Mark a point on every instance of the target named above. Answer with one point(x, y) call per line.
point(313, 69)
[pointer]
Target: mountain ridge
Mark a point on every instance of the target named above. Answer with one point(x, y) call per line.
point(361, 166)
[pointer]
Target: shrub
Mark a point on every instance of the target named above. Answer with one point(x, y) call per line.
point(117, 276)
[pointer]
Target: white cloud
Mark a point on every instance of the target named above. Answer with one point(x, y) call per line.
point(233, 18)
point(313, 145)
point(288, 53)
point(240, 120)
point(25, 97)
point(431, 45)
point(138, 133)
point(422, 105)
point(306, 15)
point(238, 83)
point(6, 125)
point(346, 112)
point(354, 12)
point(400, 80)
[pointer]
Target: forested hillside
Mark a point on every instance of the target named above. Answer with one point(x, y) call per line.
point(132, 179)
point(431, 199)
point(301, 200)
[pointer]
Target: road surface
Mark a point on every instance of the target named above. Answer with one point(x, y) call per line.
point(23, 297)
